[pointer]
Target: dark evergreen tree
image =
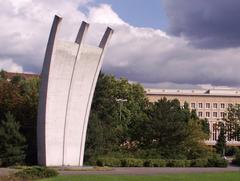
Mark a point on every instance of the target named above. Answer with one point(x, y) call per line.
point(232, 122)
point(221, 141)
point(205, 126)
point(12, 143)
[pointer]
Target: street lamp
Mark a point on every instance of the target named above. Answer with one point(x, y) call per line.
point(120, 101)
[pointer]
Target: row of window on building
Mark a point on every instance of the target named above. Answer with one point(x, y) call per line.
point(208, 105)
point(216, 132)
point(208, 114)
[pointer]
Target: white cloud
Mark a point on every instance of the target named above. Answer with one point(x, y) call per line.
point(26, 26)
point(9, 65)
point(146, 55)
point(104, 14)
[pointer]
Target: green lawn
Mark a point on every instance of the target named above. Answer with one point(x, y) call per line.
point(230, 176)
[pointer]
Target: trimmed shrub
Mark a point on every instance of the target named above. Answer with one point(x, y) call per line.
point(217, 161)
point(213, 161)
point(236, 161)
point(100, 162)
point(188, 163)
point(112, 162)
point(147, 163)
point(176, 163)
point(199, 163)
point(231, 151)
point(132, 162)
point(157, 163)
point(36, 172)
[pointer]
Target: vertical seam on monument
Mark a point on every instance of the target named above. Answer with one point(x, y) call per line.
point(102, 45)
point(79, 39)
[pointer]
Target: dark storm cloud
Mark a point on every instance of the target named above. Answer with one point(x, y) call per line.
point(206, 23)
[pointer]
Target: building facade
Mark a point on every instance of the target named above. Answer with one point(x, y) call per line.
point(210, 104)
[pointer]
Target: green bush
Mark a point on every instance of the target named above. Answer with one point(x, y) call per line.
point(213, 161)
point(107, 161)
point(217, 161)
point(199, 163)
point(36, 172)
point(124, 163)
point(112, 162)
point(100, 162)
point(147, 163)
point(232, 150)
point(176, 163)
point(236, 161)
point(133, 162)
point(157, 163)
point(187, 163)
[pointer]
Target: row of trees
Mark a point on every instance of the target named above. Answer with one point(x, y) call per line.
point(163, 129)
point(229, 128)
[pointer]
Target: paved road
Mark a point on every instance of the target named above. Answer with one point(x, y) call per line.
point(151, 171)
point(138, 171)
point(6, 171)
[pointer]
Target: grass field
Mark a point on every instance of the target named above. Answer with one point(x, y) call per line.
point(230, 176)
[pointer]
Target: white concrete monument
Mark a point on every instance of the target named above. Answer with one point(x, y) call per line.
point(69, 75)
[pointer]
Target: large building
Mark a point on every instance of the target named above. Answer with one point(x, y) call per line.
point(211, 104)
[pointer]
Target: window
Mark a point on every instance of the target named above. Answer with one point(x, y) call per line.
point(200, 105)
point(222, 105)
point(222, 114)
point(215, 131)
point(193, 105)
point(208, 114)
point(200, 114)
point(208, 105)
point(214, 114)
point(215, 105)
point(230, 105)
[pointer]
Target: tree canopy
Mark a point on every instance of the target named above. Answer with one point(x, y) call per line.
point(136, 127)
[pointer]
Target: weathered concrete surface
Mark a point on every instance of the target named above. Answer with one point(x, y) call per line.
point(84, 74)
point(58, 89)
point(68, 81)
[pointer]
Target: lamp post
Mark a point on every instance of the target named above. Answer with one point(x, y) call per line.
point(120, 101)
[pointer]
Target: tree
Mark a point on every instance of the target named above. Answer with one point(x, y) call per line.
point(161, 129)
point(20, 97)
point(221, 141)
point(205, 127)
point(232, 122)
point(166, 130)
point(106, 133)
point(12, 143)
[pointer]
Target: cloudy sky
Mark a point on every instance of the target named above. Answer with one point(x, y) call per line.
point(159, 43)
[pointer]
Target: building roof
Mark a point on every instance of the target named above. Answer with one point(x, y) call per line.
point(10, 75)
point(194, 92)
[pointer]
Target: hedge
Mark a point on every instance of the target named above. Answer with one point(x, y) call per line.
point(236, 161)
point(36, 172)
point(214, 161)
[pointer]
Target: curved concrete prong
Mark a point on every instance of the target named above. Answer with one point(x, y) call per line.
point(51, 40)
point(106, 37)
point(82, 32)
point(69, 78)
point(41, 121)
point(104, 42)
